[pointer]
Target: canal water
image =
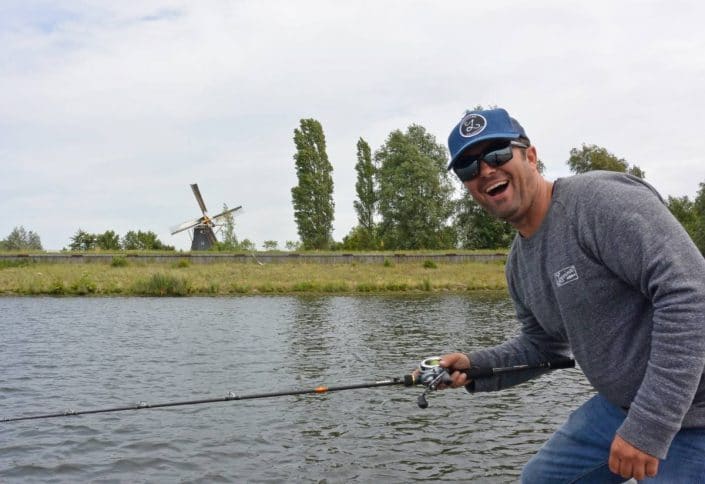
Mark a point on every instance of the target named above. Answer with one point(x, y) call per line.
point(60, 354)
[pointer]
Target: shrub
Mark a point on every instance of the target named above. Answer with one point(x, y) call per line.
point(119, 261)
point(366, 287)
point(162, 285)
point(84, 285)
point(304, 286)
point(57, 287)
point(426, 285)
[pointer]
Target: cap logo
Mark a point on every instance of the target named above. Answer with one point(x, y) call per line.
point(472, 125)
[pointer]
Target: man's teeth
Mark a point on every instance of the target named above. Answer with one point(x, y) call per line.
point(495, 185)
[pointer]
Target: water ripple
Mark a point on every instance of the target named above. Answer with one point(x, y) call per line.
point(65, 353)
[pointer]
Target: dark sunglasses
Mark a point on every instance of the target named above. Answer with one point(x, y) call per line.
point(468, 167)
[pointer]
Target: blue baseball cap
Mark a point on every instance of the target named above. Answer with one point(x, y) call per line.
point(477, 126)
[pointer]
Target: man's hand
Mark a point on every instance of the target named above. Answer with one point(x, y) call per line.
point(628, 461)
point(454, 362)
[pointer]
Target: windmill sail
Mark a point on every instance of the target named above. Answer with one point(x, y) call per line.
point(199, 198)
point(203, 234)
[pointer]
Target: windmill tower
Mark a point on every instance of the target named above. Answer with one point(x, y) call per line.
point(203, 234)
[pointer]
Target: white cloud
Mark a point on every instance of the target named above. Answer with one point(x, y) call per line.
point(110, 111)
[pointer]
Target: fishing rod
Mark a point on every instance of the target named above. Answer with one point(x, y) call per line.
point(429, 374)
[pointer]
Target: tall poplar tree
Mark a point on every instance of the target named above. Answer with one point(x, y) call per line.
point(313, 196)
point(366, 202)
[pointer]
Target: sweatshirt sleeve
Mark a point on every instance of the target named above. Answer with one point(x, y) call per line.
point(645, 246)
point(531, 346)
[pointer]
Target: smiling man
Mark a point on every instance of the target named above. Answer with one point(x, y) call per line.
point(602, 270)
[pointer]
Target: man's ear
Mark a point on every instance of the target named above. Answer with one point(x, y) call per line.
point(532, 156)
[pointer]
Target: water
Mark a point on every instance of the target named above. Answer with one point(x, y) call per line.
point(85, 353)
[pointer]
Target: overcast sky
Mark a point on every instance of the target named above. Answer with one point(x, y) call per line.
point(109, 110)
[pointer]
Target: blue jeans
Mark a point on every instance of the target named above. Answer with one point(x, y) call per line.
point(578, 451)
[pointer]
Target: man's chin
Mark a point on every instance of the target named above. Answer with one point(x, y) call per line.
point(505, 214)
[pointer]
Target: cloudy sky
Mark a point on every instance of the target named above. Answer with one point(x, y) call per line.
point(109, 110)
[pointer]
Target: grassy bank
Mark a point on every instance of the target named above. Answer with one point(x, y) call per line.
point(181, 278)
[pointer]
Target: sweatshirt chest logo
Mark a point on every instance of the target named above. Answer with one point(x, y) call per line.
point(566, 276)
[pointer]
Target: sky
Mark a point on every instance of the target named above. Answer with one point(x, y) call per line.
point(110, 110)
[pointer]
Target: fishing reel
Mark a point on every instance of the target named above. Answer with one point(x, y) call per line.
point(431, 374)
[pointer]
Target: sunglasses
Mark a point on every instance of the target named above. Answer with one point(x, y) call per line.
point(468, 167)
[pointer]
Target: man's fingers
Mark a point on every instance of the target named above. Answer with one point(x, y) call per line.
point(459, 379)
point(626, 469)
point(638, 471)
point(613, 463)
point(628, 461)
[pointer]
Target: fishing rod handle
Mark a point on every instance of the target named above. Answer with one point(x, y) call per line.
point(475, 372)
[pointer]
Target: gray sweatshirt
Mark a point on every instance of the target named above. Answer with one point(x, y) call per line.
point(612, 277)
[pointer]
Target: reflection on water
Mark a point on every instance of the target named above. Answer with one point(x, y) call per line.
point(96, 353)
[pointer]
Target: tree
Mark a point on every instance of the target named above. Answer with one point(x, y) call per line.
point(229, 240)
point(247, 245)
point(21, 239)
point(698, 233)
point(691, 214)
point(108, 240)
point(292, 245)
point(270, 245)
point(540, 166)
point(684, 210)
point(366, 202)
point(313, 196)
point(593, 157)
point(477, 229)
point(359, 239)
point(414, 191)
point(143, 241)
point(82, 241)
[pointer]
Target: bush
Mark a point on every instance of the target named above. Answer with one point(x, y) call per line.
point(57, 287)
point(429, 264)
point(162, 285)
point(84, 285)
point(119, 261)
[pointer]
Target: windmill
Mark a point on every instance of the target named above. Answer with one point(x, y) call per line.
point(203, 234)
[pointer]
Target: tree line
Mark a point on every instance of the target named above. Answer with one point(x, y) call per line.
point(109, 240)
point(406, 199)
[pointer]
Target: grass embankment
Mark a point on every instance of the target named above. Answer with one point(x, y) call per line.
point(182, 278)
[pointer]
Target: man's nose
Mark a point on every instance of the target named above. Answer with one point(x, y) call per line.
point(485, 169)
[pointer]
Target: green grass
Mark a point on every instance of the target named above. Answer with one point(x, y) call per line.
point(123, 276)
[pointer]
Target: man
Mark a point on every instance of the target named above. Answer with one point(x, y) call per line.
point(599, 269)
